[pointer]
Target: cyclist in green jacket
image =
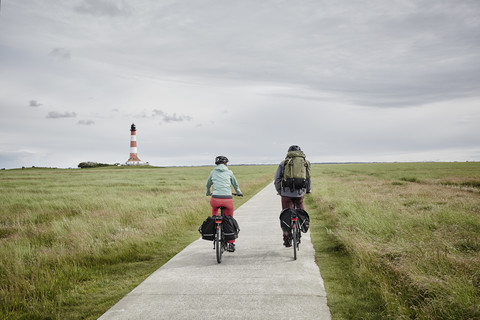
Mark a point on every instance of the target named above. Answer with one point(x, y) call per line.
point(222, 178)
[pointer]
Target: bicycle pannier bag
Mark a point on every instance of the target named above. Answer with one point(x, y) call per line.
point(285, 219)
point(297, 171)
point(303, 218)
point(207, 229)
point(230, 228)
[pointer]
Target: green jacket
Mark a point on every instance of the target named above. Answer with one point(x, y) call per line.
point(221, 178)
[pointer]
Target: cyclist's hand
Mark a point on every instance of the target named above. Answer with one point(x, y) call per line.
point(209, 194)
point(240, 194)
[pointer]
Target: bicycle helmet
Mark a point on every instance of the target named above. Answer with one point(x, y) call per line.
point(294, 148)
point(221, 159)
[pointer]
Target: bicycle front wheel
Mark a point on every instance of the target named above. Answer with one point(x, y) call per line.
point(219, 244)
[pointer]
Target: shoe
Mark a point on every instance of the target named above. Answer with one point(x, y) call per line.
point(287, 243)
point(231, 247)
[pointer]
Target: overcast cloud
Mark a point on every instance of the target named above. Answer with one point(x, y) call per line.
point(34, 103)
point(55, 115)
point(365, 80)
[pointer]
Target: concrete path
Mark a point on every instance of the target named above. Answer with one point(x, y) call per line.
point(258, 281)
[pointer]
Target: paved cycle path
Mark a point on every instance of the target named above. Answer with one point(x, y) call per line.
point(260, 280)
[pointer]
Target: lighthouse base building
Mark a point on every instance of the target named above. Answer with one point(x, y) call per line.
point(136, 163)
point(133, 160)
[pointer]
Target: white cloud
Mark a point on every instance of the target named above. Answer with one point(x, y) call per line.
point(57, 115)
point(103, 8)
point(171, 117)
point(34, 103)
point(60, 53)
point(86, 122)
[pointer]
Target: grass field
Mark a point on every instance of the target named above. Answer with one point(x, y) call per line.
point(398, 241)
point(393, 241)
point(73, 242)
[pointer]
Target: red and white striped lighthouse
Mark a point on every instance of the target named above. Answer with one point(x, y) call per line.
point(133, 160)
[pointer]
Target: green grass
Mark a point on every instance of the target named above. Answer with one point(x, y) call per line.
point(73, 242)
point(395, 241)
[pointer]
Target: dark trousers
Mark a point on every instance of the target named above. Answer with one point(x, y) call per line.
point(288, 202)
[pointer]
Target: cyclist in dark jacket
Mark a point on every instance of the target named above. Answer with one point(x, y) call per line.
point(290, 197)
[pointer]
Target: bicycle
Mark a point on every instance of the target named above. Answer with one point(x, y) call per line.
point(220, 243)
point(294, 221)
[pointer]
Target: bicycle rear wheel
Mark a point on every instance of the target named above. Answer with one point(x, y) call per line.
point(218, 244)
point(295, 239)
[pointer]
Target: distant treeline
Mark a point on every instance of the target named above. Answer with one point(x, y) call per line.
point(90, 164)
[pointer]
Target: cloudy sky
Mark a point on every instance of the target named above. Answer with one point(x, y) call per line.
point(369, 80)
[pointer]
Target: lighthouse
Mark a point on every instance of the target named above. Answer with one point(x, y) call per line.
point(133, 160)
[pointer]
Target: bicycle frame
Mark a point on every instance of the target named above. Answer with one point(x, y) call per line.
point(295, 232)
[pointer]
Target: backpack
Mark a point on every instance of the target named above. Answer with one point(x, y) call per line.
point(297, 171)
point(302, 215)
point(207, 229)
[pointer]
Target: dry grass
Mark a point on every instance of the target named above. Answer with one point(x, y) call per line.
point(73, 242)
point(411, 239)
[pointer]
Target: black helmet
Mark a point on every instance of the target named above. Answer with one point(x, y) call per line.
point(221, 159)
point(294, 148)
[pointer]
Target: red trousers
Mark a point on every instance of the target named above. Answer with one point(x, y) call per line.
point(216, 203)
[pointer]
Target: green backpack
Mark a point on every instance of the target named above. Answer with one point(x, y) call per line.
point(297, 171)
